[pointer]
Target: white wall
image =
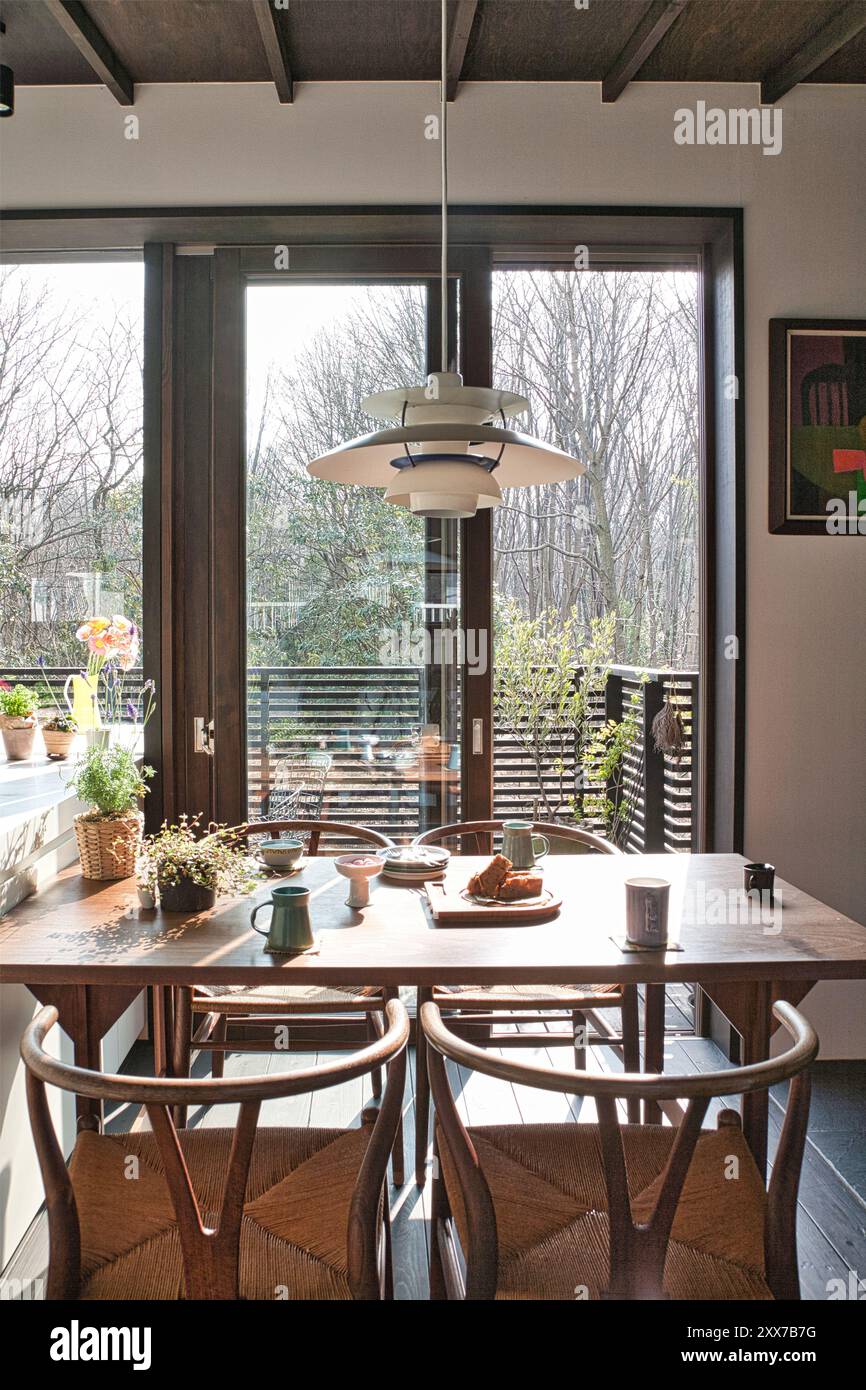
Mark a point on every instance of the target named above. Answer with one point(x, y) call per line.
point(805, 239)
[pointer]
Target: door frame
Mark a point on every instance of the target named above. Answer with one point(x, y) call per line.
point(396, 237)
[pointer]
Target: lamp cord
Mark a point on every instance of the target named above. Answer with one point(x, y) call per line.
point(443, 141)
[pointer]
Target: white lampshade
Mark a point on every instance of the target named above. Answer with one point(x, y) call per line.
point(450, 489)
point(445, 418)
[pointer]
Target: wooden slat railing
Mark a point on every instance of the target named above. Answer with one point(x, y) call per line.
point(365, 718)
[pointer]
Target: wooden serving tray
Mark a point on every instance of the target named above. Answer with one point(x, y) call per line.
point(448, 905)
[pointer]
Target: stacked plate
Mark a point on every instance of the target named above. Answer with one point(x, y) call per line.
point(415, 863)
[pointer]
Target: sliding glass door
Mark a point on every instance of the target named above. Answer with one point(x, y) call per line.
point(352, 604)
point(596, 580)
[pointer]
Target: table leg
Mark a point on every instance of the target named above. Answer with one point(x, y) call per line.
point(160, 1013)
point(85, 1013)
point(754, 1028)
point(654, 1044)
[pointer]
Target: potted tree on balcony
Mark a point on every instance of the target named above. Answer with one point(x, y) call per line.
point(17, 721)
point(547, 688)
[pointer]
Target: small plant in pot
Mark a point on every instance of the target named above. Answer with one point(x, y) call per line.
point(191, 870)
point(59, 732)
point(17, 721)
point(111, 782)
point(59, 726)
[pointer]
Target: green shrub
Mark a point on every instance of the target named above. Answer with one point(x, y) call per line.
point(18, 702)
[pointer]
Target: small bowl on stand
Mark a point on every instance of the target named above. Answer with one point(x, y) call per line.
point(359, 869)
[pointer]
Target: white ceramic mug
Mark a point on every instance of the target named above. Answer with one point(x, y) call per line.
point(646, 911)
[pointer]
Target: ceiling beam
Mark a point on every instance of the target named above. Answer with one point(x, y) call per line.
point(458, 43)
point(91, 44)
point(646, 37)
point(275, 48)
point(838, 31)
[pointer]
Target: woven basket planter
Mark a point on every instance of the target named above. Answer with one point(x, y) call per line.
point(108, 845)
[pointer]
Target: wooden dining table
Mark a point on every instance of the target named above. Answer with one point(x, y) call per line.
point(89, 949)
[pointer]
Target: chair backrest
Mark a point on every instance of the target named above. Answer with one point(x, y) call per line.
point(477, 834)
point(315, 829)
point(299, 785)
point(637, 1251)
point(211, 1256)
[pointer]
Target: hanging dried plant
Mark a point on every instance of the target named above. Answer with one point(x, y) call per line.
point(669, 735)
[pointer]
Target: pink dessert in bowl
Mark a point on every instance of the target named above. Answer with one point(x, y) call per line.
point(359, 869)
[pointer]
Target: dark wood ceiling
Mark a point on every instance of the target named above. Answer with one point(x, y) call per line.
point(121, 42)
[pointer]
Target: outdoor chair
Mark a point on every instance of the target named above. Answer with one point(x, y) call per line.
point(298, 786)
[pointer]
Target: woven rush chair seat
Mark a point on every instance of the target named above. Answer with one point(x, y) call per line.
point(256, 999)
point(550, 1200)
point(293, 1231)
point(537, 995)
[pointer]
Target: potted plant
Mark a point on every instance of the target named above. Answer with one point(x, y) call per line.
point(190, 871)
point(111, 783)
point(17, 721)
point(59, 732)
point(59, 726)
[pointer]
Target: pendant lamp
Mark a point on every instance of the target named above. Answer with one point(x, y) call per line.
point(448, 451)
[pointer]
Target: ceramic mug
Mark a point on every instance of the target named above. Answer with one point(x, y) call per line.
point(290, 928)
point(760, 878)
point(281, 854)
point(646, 911)
point(519, 843)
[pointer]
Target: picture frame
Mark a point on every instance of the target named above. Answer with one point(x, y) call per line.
point(817, 443)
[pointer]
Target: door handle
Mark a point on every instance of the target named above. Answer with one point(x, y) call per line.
point(203, 735)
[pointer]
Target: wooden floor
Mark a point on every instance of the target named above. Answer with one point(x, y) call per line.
point(832, 1213)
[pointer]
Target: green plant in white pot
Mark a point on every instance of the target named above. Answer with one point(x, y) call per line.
point(17, 721)
point(110, 781)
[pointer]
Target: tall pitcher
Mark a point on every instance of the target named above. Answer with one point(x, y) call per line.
point(84, 701)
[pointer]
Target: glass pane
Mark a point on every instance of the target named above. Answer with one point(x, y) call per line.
point(352, 706)
point(70, 466)
point(601, 572)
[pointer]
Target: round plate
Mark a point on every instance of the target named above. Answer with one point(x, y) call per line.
point(540, 900)
point(415, 876)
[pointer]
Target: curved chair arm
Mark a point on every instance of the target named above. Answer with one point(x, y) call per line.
point(140, 1090)
point(756, 1077)
point(495, 827)
point(343, 829)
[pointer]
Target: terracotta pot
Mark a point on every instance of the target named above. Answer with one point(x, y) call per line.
point(58, 742)
point(185, 896)
point(18, 737)
point(108, 846)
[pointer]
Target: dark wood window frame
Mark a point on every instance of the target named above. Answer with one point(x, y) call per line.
point(195, 263)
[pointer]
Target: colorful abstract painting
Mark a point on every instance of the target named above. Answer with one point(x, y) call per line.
point(817, 426)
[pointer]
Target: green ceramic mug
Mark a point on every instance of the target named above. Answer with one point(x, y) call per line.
point(290, 928)
point(520, 845)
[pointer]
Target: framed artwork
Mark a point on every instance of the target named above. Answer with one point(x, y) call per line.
point(818, 427)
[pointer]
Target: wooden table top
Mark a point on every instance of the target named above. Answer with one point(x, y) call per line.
point(76, 931)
